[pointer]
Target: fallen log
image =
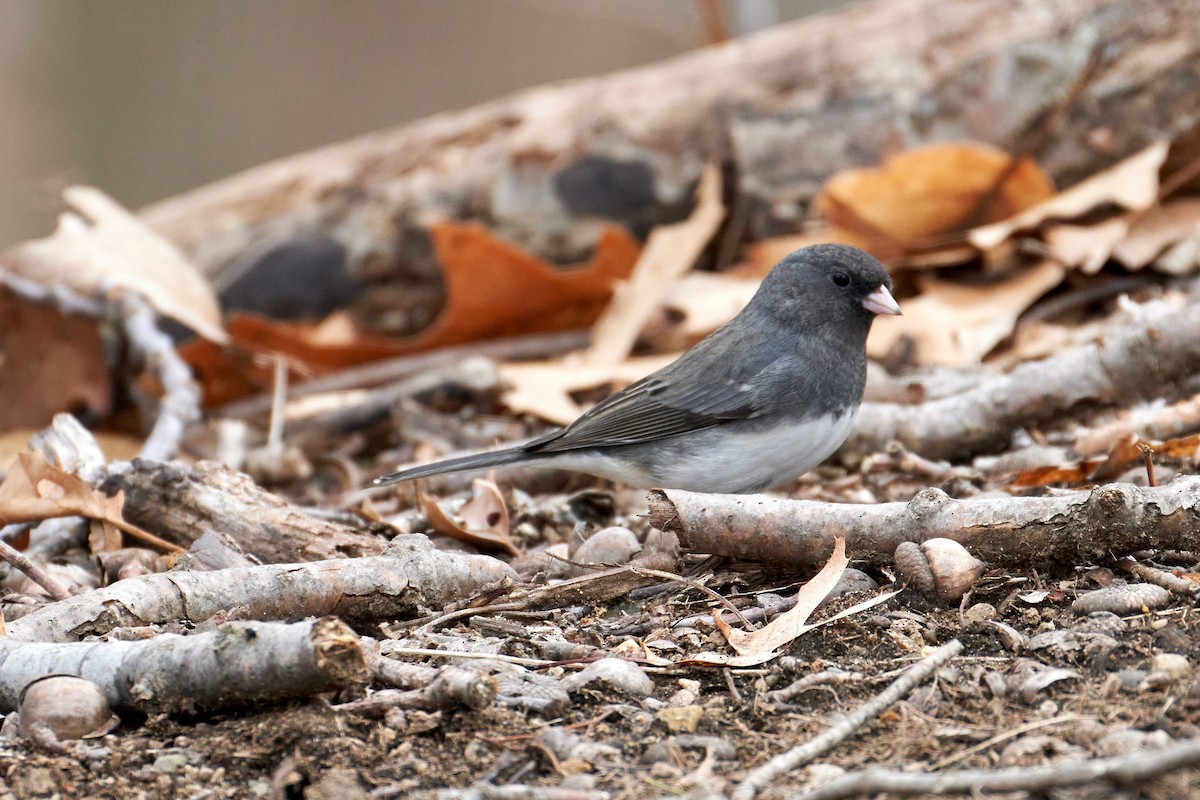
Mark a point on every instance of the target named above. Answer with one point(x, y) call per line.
point(238, 664)
point(1016, 532)
point(1141, 357)
point(182, 503)
point(409, 578)
point(782, 110)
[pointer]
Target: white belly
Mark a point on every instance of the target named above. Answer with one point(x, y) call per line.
point(712, 460)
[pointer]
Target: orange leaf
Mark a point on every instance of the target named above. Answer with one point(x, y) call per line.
point(493, 289)
point(925, 193)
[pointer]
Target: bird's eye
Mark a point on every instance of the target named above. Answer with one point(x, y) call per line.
point(841, 279)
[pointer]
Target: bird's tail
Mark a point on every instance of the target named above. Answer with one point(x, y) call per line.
point(475, 461)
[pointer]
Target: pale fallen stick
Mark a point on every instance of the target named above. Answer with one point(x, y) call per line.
point(239, 663)
point(1007, 531)
point(1131, 769)
point(845, 727)
point(411, 575)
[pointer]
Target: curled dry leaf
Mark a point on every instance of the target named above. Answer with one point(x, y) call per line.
point(1131, 184)
point(1086, 247)
point(954, 324)
point(33, 491)
point(99, 246)
point(920, 195)
point(762, 645)
point(1157, 229)
point(484, 518)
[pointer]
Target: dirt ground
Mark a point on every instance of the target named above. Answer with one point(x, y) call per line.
point(1035, 682)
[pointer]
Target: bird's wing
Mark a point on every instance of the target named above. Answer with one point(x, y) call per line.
point(667, 403)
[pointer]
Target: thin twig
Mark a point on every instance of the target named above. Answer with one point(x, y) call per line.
point(694, 584)
point(32, 571)
point(1130, 769)
point(1009, 734)
point(847, 725)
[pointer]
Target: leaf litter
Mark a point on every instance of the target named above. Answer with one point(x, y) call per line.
point(961, 317)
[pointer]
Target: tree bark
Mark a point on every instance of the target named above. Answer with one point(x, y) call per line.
point(781, 110)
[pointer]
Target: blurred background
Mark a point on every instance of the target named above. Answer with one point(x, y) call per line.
point(147, 98)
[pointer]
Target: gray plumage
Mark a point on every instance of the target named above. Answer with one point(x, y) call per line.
point(760, 401)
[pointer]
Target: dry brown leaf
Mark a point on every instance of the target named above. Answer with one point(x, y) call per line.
point(1126, 452)
point(923, 194)
point(484, 518)
point(33, 490)
point(670, 251)
point(495, 289)
point(955, 324)
point(99, 246)
point(544, 388)
point(1131, 184)
point(1157, 229)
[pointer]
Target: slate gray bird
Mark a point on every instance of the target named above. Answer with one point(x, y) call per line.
point(760, 401)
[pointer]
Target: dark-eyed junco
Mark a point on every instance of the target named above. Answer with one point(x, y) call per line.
point(760, 401)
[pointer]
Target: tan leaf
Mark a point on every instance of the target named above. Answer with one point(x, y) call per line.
point(33, 490)
point(956, 324)
point(544, 388)
point(98, 246)
point(793, 623)
point(705, 301)
point(1158, 229)
point(670, 252)
point(484, 518)
point(1086, 247)
point(925, 193)
point(1131, 184)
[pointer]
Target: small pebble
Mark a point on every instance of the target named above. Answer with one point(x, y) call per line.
point(1131, 678)
point(980, 612)
point(681, 719)
point(170, 763)
point(1172, 664)
point(608, 546)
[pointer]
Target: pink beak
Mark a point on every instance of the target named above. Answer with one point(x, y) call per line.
point(881, 301)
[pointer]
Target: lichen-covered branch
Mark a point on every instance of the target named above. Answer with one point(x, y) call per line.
point(1080, 527)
